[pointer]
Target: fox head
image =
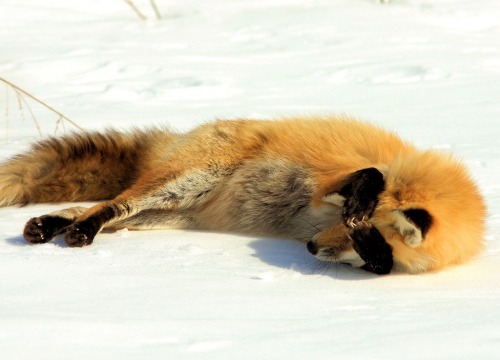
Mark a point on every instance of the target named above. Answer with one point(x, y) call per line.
point(430, 212)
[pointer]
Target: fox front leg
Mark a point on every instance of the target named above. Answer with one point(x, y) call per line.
point(86, 227)
point(178, 193)
point(358, 198)
point(372, 248)
point(362, 246)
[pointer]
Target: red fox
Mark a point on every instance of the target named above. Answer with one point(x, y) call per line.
point(353, 192)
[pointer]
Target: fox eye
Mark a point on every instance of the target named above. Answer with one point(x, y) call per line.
point(421, 218)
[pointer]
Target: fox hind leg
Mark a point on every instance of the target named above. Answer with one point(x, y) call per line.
point(85, 228)
point(173, 179)
point(178, 194)
point(42, 229)
point(156, 220)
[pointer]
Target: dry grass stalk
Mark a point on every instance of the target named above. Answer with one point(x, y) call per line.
point(7, 113)
point(139, 13)
point(135, 9)
point(20, 101)
point(155, 8)
point(23, 103)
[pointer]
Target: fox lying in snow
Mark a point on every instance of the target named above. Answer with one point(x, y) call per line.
point(355, 193)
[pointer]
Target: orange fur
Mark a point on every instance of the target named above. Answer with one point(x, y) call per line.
point(228, 175)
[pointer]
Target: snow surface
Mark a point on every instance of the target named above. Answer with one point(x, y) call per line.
point(429, 70)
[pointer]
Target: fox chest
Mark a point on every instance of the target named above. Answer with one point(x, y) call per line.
point(270, 198)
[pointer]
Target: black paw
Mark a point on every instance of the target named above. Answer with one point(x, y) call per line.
point(372, 248)
point(42, 229)
point(79, 235)
point(361, 195)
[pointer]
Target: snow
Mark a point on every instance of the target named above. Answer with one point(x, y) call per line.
point(429, 70)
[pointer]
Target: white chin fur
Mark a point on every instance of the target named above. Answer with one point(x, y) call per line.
point(350, 257)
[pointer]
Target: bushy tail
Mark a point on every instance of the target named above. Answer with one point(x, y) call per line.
point(80, 167)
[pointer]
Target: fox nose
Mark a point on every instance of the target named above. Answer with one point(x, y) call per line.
point(312, 247)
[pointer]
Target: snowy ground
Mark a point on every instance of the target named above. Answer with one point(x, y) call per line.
point(429, 70)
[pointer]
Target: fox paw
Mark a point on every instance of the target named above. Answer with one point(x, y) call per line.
point(372, 248)
point(78, 235)
point(42, 229)
point(361, 195)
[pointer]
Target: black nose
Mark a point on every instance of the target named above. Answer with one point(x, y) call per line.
point(312, 247)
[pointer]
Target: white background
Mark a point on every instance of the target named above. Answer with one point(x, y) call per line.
point(427, 69)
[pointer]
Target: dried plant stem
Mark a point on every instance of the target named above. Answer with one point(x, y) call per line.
point(20, 98)
point(155, 8)
point(136, 10)
point(7, 113)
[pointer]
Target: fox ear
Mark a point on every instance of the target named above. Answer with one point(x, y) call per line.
point(413, 225)
point(421, 218)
